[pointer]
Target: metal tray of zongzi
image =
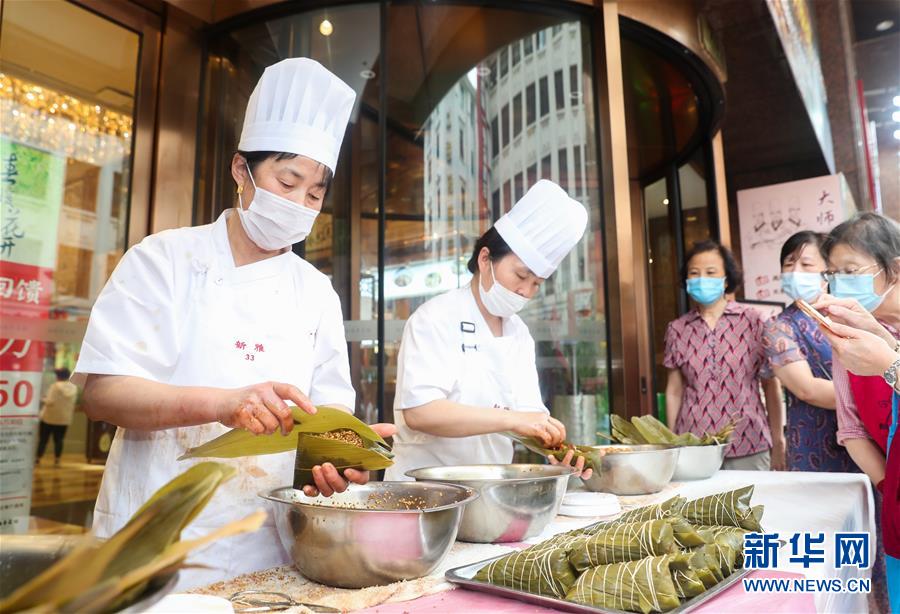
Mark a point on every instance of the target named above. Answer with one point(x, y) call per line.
point(465, 577)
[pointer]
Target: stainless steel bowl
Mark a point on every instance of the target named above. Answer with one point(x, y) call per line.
point(22, 557)
point(366, 536)
point(631, 470)
point(516, 502)
point(699, 462)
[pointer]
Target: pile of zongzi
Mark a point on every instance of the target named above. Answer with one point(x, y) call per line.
point(328, 436)
point(651, 559)
point(103, 576)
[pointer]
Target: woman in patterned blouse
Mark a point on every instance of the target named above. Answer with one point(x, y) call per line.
point(800, 356)
point(716, 361)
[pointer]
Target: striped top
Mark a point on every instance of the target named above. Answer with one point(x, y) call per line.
point(850, 425)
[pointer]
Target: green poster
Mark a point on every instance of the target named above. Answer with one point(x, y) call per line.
point(31, 193)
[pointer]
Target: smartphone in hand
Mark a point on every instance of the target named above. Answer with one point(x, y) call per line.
point(820, 319)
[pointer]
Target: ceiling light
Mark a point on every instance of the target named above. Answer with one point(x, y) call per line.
point(897, 134)
point(665, 201)
point(897, 101)
point(367, 74)
point(895, 116)
point(326, 28)
point(884, 26)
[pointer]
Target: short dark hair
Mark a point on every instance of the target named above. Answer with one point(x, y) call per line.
point(495, 244)
point(63, 374)
point(255, 158)
point(734, 277)
point(871, 234)
point(796, 242)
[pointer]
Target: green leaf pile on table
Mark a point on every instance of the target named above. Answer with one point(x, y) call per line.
point(651, 559)
point(108, 575)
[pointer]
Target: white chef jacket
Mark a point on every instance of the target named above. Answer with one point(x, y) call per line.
point(176, 310)
point(448, 352)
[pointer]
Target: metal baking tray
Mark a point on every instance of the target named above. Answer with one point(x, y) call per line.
point(464, 576)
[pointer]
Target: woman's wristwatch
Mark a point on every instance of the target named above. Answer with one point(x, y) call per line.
point(892, 375)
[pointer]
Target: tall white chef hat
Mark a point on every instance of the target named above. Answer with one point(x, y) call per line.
point(543, 227)
point(298, 106)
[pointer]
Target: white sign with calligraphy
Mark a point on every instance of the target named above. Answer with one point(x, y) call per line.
point(769, 215)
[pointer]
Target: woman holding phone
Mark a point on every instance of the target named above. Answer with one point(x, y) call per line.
point(864, 258)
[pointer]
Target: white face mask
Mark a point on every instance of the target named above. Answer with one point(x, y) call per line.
point(500, 301)
point(273, 222)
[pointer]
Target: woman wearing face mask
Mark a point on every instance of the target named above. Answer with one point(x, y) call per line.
point(864, 279)
point(466, 370)
point(864, 258)
point(222, 326)
point(716, 360)
point(800, 356)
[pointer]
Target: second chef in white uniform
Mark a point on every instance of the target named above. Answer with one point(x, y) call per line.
point(466, 370)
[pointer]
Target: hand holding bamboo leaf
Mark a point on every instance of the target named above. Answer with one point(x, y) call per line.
point(261, 408)
point(321, 454)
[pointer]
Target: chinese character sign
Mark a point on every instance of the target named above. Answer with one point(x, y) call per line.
point(31, 194)
point(770, 214)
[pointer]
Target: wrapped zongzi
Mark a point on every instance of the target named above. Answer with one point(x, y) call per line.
point(730, 508)
point(637, 586)
point(700, 563)
point(732, 537)
point(687, 582)
point(686, 535)
point(642, 514)
point(539, 570)
point(624, 542)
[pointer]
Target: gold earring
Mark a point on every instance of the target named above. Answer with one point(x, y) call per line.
point(240, 190)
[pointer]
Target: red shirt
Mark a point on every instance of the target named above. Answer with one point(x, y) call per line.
point(721, 369)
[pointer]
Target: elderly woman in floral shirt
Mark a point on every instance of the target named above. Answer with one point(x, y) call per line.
point(716, 362)
point(800, 356)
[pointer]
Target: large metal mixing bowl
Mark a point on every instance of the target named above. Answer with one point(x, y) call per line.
point(366, 536)
point(699, 462)
point(631, 469)
point(516, 502)
point(23, 557)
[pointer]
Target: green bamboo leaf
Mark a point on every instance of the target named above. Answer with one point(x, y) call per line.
point(313, 450)
point(653, 430)
point(173, 507)
point(625, 431)
point(109, 597)
point(219, 471)
point(153, 528)
point(238, 442)
point(73, 574)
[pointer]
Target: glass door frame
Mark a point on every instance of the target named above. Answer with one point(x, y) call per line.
point(148, 26)
point(710, 106)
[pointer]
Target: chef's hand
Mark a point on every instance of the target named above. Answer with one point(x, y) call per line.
point(849, 312)
point(329, 481)
point(260, 408)
point(581, 472)
point(538, 424)
point(861, 352)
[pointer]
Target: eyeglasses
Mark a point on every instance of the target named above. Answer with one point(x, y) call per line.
point(830, 275)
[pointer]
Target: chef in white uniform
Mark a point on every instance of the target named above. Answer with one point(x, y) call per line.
point(222, 326)
point(466, 370)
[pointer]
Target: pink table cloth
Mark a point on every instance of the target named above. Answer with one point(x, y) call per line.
point(732, 601)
